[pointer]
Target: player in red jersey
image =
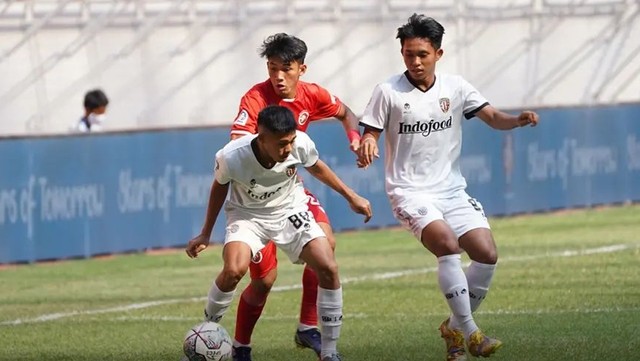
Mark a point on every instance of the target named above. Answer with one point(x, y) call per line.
point(285, 56)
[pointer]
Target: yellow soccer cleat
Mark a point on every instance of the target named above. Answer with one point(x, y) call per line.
point(480, 345)
point(455, 342)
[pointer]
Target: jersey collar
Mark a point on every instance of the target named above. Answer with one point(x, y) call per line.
point(406, 75)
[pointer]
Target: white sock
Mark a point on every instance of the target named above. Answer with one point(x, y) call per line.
point(330, 314)
point(453, 284)
point(217, 303)
point(302, 327)
point(479, 276)
point(238, 344)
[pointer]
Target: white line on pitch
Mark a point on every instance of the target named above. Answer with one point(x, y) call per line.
point(370, 277)
point(397, 315)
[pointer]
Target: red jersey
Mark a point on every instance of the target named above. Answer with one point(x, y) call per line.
point(312, 102)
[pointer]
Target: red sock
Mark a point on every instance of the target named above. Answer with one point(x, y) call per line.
point(308, 309)
point(248, 314)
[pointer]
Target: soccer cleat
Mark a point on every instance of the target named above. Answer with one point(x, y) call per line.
point(455, 342)
point(309, 339)
point(242, 353)
point(333, 357)
point(208, 317)
point(480, 345)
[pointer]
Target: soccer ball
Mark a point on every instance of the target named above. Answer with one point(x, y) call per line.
point(207, 341)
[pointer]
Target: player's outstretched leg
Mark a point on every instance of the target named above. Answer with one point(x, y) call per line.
point(263, 269)
point(307, 334)
point(318, 255)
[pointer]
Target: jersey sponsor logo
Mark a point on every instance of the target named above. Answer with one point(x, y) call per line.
point(263, 196)
point(424, 128)
point(444, 104)
point(242, 118)
point(303, 117)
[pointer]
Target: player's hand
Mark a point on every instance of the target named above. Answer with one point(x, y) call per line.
point(528, 117)
point(355, 145)
point(197, 245)
point(362, 206)
point(368, 152)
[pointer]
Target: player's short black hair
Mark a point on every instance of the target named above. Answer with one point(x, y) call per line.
point(424, 27)
point(277, 119)
point(94, 99)
point(284, 46)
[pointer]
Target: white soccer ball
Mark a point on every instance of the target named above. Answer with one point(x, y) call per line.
point(207, 341)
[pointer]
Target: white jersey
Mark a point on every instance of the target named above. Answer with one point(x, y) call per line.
point(260, 192)
point(423, 133)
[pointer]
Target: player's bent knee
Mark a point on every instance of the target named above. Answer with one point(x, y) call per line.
point(263, 285)
point(231, 275)
point(489, 256)
point(442, 246)
point(327, 273)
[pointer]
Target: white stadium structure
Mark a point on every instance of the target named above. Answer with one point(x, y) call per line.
point(187, 62)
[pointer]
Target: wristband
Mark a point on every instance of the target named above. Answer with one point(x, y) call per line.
point(353, 135)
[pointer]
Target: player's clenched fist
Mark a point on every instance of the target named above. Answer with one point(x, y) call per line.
point(528, 117)
point(197, 245)
point(368, 152)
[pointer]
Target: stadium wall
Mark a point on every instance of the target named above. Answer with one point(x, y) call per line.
point(79, 196)
point(163, 73)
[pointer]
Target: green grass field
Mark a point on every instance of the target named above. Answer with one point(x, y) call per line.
point(567, 288)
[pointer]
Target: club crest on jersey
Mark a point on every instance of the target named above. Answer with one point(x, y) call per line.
point(303, 117)
point(407, 108)
point(257, 258)
point(242, 118)
point(444, 104)
point(291, 170)
point(252, 183)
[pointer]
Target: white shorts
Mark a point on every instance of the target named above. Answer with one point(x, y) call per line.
point(290, 233)
point(461, 212)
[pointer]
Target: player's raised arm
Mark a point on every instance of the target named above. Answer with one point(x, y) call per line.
point(358, 204)
point(497, 119)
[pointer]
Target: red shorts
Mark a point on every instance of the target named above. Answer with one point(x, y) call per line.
point(266, 260)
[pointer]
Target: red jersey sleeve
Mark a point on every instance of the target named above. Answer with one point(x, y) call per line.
point(327, 105)
point(246, 121)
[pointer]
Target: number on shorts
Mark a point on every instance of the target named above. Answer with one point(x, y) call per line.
point(474, 204)
point(299, 219)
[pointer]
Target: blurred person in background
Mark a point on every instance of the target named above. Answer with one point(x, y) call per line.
point(95, 108)
point(421, 112)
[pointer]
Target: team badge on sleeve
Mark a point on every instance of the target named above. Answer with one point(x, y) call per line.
point(242, 118)
point(444, 104)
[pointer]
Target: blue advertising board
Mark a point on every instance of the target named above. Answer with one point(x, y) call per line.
point(79, 196)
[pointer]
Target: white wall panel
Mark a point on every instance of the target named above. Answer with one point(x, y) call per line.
point(184, 73)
